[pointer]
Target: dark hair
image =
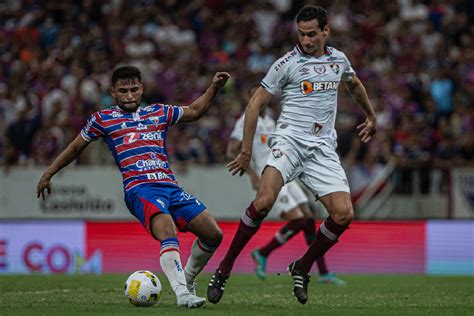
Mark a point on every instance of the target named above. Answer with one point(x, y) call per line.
point(312, 12)
point(127, 73)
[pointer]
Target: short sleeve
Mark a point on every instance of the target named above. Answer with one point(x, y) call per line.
point(93, 130)
point(238, 131)
point(276, 77)
point(348, 73)
point(173, 114)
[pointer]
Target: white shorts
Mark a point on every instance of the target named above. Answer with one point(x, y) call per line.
point(318, 167)
point(290, 196)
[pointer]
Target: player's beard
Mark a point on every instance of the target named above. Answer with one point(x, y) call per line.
point(128, 106)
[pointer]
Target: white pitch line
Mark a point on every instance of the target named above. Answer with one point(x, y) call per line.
point(57, 291)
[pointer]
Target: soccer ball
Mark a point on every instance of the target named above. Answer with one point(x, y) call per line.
point(143, 288)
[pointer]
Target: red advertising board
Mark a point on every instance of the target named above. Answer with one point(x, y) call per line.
point(367, 247)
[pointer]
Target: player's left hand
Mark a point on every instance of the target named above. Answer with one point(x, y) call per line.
point(220, 79)
point(367, 130)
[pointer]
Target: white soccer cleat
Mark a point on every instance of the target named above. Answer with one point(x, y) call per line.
point(190, 284)
point(190, 301)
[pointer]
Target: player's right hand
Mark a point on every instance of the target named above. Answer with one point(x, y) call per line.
point(239, 164)
point(44, 183)
point(220, 79)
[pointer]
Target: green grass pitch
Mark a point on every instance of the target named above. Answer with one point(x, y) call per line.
point(244, 295)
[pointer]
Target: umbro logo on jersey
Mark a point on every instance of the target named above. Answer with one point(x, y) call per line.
point(335, 68)
point(123, 125)
point(304, 71)
point(308, 87)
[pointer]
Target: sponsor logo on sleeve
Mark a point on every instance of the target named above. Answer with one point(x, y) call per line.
point(276, 153)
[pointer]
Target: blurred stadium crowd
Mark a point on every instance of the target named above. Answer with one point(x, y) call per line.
point(416, 59)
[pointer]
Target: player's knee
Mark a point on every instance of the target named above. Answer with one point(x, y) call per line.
point(215, 237)
point(162, 227)
point(263, 204)
point(162, 233)
point(344, 214)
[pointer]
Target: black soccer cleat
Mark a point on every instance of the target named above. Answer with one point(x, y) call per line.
point(300, 283)
point(215, 290)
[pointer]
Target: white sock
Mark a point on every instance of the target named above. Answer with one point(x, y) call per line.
point(200, 255)
point(171, 265)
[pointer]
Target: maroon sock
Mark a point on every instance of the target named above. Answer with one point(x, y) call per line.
point(326, 237)
point(323, 269)
point(248, 226)
point(284, 234)
point(310, 231)
point(310, 235)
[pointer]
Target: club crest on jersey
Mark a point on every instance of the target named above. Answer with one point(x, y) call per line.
point(335, 68)
point(320, 70)
point(276, 153)
point(308, 87)
point(155, 119)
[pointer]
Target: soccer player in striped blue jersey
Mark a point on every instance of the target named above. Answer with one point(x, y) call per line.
point(136, 137)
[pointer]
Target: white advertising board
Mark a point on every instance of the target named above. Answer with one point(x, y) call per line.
point(45, 247)
point(463, 193)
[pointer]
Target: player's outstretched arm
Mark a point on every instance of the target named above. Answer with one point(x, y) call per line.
point(199, 107)
point(257, 103)
point(73, 150)
point(359, 94)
